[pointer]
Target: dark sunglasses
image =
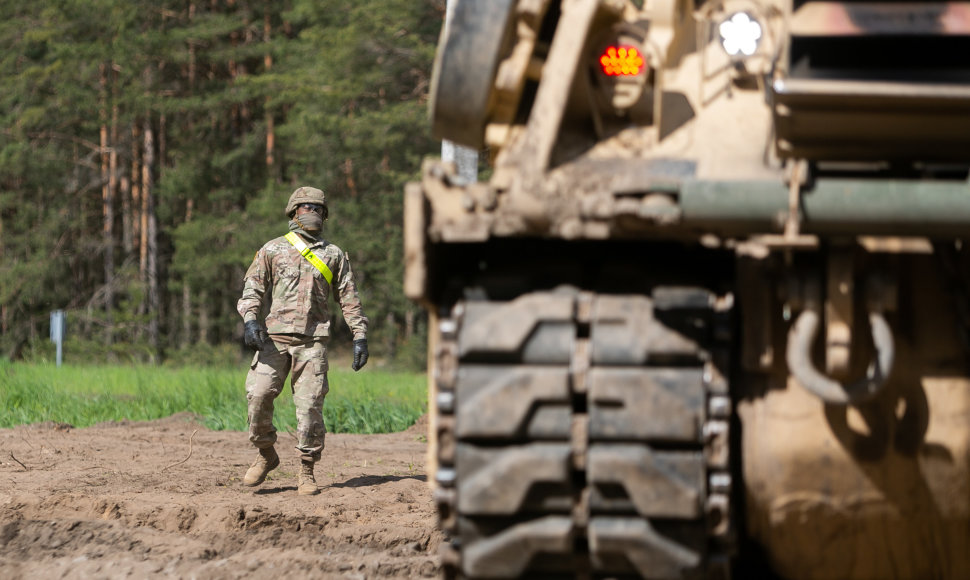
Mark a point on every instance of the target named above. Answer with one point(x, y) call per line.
point(312, 207)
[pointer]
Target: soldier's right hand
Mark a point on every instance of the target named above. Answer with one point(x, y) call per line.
point(255, 335)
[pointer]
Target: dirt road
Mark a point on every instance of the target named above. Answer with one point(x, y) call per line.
point(152, 500)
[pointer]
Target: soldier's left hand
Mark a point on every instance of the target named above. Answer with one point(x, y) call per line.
point(360, 354)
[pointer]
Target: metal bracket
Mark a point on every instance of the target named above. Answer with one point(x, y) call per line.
point(839, 312)
point(797, 177)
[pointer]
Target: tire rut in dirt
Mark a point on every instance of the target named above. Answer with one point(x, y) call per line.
point(585, 435)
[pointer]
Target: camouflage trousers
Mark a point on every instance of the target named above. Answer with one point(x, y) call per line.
point(306, 362)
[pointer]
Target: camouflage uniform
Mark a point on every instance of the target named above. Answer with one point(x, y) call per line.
point(293, 295)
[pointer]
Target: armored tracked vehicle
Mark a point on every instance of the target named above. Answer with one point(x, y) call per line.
point(709, 313)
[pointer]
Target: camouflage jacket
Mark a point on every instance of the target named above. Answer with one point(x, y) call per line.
point(293, 293)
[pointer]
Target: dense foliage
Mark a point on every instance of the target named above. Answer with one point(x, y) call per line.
point(147, 150)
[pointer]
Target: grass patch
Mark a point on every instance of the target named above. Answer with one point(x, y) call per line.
point(371, 401)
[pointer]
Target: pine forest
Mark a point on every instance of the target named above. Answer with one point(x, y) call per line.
point(147, 150)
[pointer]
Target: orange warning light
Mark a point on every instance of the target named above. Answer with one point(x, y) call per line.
point(621, 61)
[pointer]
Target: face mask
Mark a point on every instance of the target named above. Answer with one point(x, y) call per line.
point(310, 222)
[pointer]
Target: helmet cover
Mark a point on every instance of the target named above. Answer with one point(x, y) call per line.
point(306, 195)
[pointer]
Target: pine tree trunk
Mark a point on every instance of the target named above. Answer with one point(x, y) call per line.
point(136, 210)
point(149, 236)
point(162, 146)
point(186, 314)
point(233, 66)
point(127, 227)
point(127, 239)
point(204, 316)
point(187, 290)
point(145, 211)
point(81, 279)
point(192, 49)
point(408, 324)
point(389, 342)
point(107, 201)
point(113, 193)
point(4, 312)
point(349, 174)
point(270, 122)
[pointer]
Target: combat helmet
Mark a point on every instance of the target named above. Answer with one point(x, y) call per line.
point(306, 195)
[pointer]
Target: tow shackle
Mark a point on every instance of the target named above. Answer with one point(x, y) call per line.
point(798, 355)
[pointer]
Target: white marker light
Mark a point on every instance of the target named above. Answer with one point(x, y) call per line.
point(740, 35)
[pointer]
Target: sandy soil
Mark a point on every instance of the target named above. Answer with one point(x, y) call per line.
point(164, 499)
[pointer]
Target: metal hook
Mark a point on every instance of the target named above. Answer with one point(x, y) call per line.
point(799, 359)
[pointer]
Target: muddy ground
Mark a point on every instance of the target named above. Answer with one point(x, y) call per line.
point(164, 499)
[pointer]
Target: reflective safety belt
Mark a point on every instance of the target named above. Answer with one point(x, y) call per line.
point(310, 256)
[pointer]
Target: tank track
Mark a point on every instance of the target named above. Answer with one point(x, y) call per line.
point(585, 435)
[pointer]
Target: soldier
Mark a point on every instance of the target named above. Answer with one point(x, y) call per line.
point(289, 281)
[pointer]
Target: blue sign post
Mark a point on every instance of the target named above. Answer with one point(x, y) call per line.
point(58, 329)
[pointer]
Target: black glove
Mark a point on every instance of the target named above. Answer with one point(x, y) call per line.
point(255, 336)
point(360, 354)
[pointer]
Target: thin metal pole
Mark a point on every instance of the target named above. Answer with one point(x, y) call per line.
point(57, 332)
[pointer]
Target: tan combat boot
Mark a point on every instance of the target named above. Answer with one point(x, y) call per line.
point(267, 461)
point(308, 485)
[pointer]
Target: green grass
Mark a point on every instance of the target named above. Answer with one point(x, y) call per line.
point(371, 401)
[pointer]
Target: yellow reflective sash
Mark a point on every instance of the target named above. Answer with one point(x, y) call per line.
point(310, 256)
